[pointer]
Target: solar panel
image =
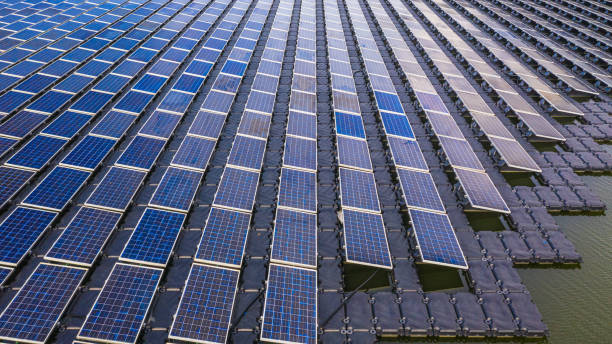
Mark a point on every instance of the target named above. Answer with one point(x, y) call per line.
point(117, 188)
point(237, 189)
point(295, 238)
point(37, 153)
point(353, 153)
point(358, 190)
point(4, 274)
point(224, 238)
point(247, 152)
point(207, 124)
point(350, 125)
point(205, 309)
point(430, 101)
point(444, 124)
point(57, 189)
point(153, 238)
point(160, 124)
point(254, 124)
point(34, 312)
point(419, 190)
point(89, 153)
point(436, 239)
point(194, 153)
point(513, 154)
point(460, 153)
point(176, 189)
point(142, 152)
point(11, 180)
point(82, 240)
point(20, 230)
point(388, 102)
point(301, 124)
point(298, 190)
point(290, 310)
point(114, 124)
point(21, 124)
point(480, 191)
point(407, 153)
point(300, 153)
point(396, 125)
point(67, 124)
point(121, 306)
point(365, 240)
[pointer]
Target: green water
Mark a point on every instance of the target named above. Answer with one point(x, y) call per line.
point(576, 304)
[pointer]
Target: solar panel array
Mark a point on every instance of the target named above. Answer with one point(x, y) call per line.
point(83, 82)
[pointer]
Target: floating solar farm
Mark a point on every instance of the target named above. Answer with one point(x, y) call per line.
point(290, 171)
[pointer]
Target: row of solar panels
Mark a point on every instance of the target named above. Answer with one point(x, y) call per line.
point(589, 71)
point(580, 15)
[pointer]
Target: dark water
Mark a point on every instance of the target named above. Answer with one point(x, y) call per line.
point(576, 304)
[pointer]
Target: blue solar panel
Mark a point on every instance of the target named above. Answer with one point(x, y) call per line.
point(349, 125)
point(91, 102)
point(37, 307)
point(6, 144)
point(90, 152)
point(436, 239)
point(407, 153)
point(112, 83)
point(160, 124)
point(300, 124)
point(194, 152)
point(295, 238)
point(20, 230)
point(234, 67)
point(22, 123)
point(121, 307)
point(11, 180)
point(237, 189)
point(480, 190)
point(134, 102)
point(150, 83)
point(254, 124)
point(365, 241)
point(36, 153)
point(358, 189)
point(224, 238)
point(114, 124)
point(419, 190)
point(388, 102)
point(176, 189)
point(247, 152)
point(396, 125)
point(82, 240)
point(353, 153)
point(142, 152)
point(67, 124)
point(460, 153)
point(189, 83)
point(218, 101)
point(57, 189)
point(205, 310)
point(290, 311)
point(50, 102)
point(176, 102)
point(300, 153)
point(12, 100)
point(262, 102)
point(298, 190)
point(4, 274)
point(117, 188)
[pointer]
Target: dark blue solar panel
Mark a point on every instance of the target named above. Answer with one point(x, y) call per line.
point(175, 101)
point(57, 188)
point(300, 124)
point(74, 83)
point(349, 125)
point(194, 152)
point(82, 240)
point(460, 153)
point(207, 124)
point(300, 153)
point(254, 124)
point(37, 152)
point(176, 189)
point(22, 123)
point(90, 152)
point(134, 102)
point(262, 102)
point(112, 83)
point(237, 189)
point(117, 188)
point(188, 83)
point(67, 124)
point(11, 180)
point(37, 307)
point(160, 124)
point(150, 83)
point(205, 310)
point(396, 125)
point(365, 239)
point(20, 230)
point(142, 152)
point(234, 67)
point(481, 191)
point(199, 68)
point(36, 83)
point(353, 153)
point(295, 238)
point(247, 152)
point(388, 102)
point(92, 102)
point(12, 100)
point(358, 189)
point(50, 102)
point(4, 274)
point(436, 239)
point(114, 124)
point(419, 190)
point(298, 190)
point(122, 304)
point(224, 237)
point(290, 311)
point(154, 237)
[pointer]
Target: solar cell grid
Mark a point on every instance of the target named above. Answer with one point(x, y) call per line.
point(141, 153)
point(353, 153)
point(57, 189)
point(4, 274)
point(300, 153)
point(21, 124)
point(37, 152)
point(350, 125)
point(153, 238)
point(436, 239)
point(116, 190)
point(119, 311)
point(89, 153)
point(37, 307)
point(237, 189)
point(298, 190)
point(11, 180)
point(160, 124)
point(419, 190)
point(460, 153)
point(19, 231)
point(224, 238)
point(396, 125)
point(247, 152)
point(176, 189)
point(481, 191)
point(290, 311)
point(358, 190)
point(295, 238)
point(205, 309)
point(365, 241)
point(254, 124)
point(67, 124)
